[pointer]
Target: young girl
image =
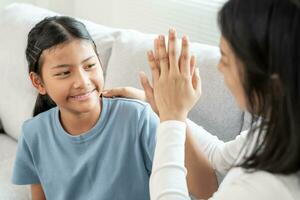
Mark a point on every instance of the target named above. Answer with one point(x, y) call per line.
point(79, 145)
point(260, 61)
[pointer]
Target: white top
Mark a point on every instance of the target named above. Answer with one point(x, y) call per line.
point(168, 179)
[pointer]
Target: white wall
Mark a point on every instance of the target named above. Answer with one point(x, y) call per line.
point(4, 3)
point(196, 18)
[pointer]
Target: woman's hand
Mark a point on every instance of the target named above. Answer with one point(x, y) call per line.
point(134, 93)
point(127, 92)
point(175, 85)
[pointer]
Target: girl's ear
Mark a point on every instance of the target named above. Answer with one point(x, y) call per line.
point(37, 83)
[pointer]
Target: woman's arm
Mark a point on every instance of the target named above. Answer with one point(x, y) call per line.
point(201, 177)
point(37, 192)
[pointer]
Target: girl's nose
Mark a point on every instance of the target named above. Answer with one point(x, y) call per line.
point(81, 79)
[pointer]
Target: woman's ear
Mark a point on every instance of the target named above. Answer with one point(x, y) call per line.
point(37, 83)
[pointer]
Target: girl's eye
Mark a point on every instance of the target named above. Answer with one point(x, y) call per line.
point(62, 74)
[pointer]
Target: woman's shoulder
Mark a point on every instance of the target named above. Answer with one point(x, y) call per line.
point(240, 183)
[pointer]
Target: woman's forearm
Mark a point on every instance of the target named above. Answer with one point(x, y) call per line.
point(201, 178)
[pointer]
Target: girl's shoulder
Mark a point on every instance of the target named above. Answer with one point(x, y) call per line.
point(127, 105)
point(40, 122)
point(131, 110)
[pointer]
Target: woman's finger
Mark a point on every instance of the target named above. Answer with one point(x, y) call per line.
point(114, 92)
point(156, 56)
point(184, 60)
point(153, 66)
point(192, 65)
point(196, 81)
point(163, 56)
point(127, 92)
point(172, 51)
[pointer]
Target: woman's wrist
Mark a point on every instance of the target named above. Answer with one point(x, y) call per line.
point(172, 116)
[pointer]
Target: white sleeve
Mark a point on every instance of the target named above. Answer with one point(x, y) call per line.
point(258, 185)
point(168, 178)
point(221, 155)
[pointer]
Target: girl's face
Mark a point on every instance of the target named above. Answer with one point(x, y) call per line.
point(72, 76)
point(229, 66)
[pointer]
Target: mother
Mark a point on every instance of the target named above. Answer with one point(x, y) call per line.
point(260, 47)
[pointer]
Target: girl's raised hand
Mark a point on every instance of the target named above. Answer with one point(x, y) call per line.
point(176, 87)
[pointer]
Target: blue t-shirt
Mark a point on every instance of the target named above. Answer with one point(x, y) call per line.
point(113, 160)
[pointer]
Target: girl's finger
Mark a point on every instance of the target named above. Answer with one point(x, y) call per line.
point(172, 51)
point(163, 56)
point(184, 60)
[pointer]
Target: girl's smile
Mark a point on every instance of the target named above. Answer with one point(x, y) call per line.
point(83, 96)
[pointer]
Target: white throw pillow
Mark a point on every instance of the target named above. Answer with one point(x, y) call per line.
point(17, 94)
point(216, 111)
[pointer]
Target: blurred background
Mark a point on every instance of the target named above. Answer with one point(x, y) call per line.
point(195, 18)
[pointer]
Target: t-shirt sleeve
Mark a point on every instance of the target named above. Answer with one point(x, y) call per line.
point(24, 171)
point(147, 125)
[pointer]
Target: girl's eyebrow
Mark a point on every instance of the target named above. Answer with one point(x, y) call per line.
point(67, 65)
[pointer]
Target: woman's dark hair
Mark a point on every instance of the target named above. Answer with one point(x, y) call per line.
point(48, 33)
point(265, 37)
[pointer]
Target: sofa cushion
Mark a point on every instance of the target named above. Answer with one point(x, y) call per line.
point(16, 20)
point(216, 110)
point(9, 191)
point(8, 148)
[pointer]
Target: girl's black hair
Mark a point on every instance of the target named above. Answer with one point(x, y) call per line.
point(265, 36)
point(48, 33)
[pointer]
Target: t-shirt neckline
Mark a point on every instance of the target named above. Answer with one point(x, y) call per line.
point(83, 137)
